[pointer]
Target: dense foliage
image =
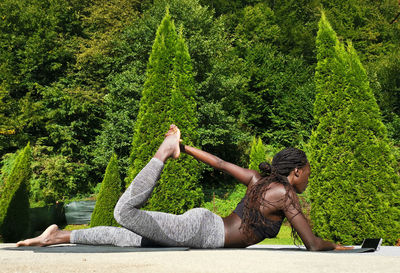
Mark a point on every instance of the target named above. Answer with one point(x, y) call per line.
point(110, 191)
point(14, 199)
point(72, 74)
point(354, 186)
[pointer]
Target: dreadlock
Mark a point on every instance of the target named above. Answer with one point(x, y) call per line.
point(282, 164)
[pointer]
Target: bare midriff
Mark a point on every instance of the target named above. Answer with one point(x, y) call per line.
point(234, 237)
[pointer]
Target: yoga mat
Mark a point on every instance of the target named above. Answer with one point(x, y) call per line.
point(295, 249)
point(354, 250)
point(92, 249)
point(113, 249)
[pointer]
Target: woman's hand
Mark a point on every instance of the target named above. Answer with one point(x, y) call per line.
point(340, 247)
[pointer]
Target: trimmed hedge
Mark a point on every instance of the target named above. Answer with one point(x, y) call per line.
point(14, 199)
point(354, 185)
point(110, 191)
point(257, 154)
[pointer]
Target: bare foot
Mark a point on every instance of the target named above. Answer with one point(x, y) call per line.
point(170, 145)
point(51, 236)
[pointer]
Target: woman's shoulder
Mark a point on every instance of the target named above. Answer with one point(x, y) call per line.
point(278, 192)
point(256, 177)
point(279, 187)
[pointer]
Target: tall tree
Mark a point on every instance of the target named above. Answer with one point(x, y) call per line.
point(277, 100)
point(74, 106)
point(354, 185)
point(367, 24)
point(386, 85)
point(298, 22)
point(34, 51)
point(98, 57)
point(46, 105)
point(217, 81)
point(168, 97)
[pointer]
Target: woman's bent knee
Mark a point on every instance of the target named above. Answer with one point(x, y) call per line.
point(117, 213)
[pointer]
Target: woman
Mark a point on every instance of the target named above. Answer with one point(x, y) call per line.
point(271, 196)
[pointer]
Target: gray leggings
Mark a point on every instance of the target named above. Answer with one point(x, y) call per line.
point(196, 228)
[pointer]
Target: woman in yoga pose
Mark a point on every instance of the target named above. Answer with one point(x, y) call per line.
point(270, 197)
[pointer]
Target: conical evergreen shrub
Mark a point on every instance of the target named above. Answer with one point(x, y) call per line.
point(14, 199)
point(257, 154)
point(110, 191)
point(354, 185)
point(168, 97)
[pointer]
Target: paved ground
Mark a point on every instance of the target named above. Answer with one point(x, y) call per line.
point(263, 259)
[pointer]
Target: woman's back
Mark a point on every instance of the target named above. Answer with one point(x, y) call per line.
point(267, 226)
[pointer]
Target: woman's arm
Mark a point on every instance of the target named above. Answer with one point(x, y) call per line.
point(302, 227)
point(290, 206)
point(311, 242)
point(245, 176)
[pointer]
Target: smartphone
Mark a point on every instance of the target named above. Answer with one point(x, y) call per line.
point(372, 243)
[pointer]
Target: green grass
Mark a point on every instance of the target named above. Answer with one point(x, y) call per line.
point(223, 206)
point(74, 227)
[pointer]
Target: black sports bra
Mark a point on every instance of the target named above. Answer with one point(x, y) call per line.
point(262, 231)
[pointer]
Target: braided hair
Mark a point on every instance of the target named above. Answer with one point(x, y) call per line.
point(283, 163)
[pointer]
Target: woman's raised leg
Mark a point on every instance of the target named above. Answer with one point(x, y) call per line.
point(198, 228)
point(144, 184)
